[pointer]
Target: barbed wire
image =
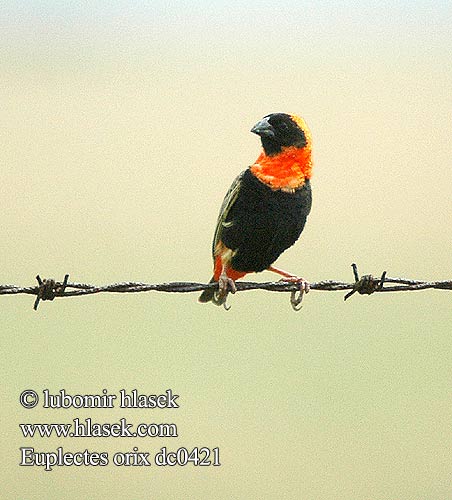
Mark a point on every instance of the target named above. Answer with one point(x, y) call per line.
point(49, 289)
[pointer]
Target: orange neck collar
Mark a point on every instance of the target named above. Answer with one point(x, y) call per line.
point(285, 171)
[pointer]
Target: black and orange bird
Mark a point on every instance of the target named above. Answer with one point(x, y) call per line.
point(265, 209)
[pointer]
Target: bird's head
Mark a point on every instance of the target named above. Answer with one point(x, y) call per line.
point(279, 131)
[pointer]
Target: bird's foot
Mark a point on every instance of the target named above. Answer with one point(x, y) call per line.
point(225, 285)
point(296, 296)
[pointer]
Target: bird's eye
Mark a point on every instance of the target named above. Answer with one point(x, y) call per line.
point(284, 126)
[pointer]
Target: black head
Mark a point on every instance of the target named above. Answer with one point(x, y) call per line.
point(280, 130)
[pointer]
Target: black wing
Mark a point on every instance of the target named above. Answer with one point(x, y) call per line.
point(228, 203)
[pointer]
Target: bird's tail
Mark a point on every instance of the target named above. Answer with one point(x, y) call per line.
point(208, 295)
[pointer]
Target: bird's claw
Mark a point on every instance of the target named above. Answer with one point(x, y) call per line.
point(225, 285)
point(296, 296)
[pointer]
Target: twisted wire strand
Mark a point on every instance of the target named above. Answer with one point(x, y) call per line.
point(48, 289)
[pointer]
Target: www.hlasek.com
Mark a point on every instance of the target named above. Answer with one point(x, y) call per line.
point(88, 428)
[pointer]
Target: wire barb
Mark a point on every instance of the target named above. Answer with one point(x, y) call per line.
point(367, 284)
point(48, 289)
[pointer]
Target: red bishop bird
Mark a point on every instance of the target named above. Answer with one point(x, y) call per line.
point(265, 209)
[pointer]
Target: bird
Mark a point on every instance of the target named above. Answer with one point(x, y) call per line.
point(266, 207)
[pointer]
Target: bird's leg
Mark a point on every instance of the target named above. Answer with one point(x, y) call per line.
point(295, 300)
point(292, 278)
point(225, 285)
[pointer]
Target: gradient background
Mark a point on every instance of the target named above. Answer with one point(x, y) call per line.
point(122, 126)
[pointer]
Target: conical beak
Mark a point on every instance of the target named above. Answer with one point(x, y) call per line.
point(263, 128)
